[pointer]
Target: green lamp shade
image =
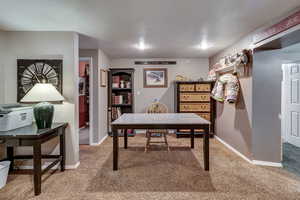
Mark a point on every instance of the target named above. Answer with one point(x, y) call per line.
point(44, 111)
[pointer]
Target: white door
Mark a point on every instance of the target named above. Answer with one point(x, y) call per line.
point(291, 103)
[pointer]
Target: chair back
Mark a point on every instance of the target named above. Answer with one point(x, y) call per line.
point(157, 108)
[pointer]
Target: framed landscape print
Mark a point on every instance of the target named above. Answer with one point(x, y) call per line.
point(32, 71)
point(155, 77)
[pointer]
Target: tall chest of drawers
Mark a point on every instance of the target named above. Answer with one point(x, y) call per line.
point(194, 97)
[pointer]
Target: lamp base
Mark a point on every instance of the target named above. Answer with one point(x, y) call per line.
point(43, 114)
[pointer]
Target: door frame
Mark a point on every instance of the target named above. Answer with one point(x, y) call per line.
point(91, 99)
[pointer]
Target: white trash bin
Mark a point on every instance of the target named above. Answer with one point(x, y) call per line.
point(4, 168)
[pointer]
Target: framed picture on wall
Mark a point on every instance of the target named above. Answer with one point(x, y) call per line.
point(155, 77)
point(32, 71)
point(103, 77)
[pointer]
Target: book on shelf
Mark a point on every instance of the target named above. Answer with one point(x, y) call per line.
point(117, 99)
point(129, 98)
point(116, 81)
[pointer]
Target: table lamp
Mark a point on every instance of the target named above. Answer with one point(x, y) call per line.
point(43, 111)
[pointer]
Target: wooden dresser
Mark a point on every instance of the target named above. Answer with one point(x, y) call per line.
point(194, 97)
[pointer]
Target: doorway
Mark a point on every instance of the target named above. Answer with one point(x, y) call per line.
point(276, 119)
point(291, 110)
point(85, 104)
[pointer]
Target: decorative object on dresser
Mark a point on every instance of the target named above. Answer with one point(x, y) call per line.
point(120, 95)
point(32, 71)
point(194, 97)
point(43, 93)
point(155, 77)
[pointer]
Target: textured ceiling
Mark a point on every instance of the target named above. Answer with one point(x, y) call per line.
point(171, 27)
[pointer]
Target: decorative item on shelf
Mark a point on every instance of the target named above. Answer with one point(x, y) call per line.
point(155, 77)
point(115, 85)
point(128, 85)
point(122, 84)
point(43, 111)
point(181, 78)
point(232, 63)
point(116, 81)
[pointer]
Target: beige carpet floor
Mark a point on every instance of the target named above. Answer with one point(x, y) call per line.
point(158, 174)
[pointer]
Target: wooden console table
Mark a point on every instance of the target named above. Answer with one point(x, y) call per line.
point(31, 136)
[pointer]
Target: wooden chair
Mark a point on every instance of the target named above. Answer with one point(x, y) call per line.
point(157, 108)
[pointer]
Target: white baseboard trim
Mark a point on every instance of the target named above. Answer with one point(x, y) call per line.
point(266, 163)
point(233, 149)
point(46, 164)
point(100, 142)
point(253, 162)
point(73, 166)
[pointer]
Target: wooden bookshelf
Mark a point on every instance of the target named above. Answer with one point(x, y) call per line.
point(120, 95)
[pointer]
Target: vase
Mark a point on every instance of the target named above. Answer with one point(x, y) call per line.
point(43, 114)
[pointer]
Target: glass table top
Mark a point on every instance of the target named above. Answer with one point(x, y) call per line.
point(30, 130)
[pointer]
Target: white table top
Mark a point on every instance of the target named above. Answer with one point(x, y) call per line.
point(160, 119)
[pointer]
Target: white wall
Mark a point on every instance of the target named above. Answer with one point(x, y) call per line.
point(104, 63)
point(52, 45)
point(143, 97)
point(2, 56)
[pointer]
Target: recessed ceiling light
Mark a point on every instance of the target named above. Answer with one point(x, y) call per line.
point(141, 45)
point(203, 45)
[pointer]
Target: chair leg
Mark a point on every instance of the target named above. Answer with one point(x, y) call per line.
point(166, 141)
point(148, 141)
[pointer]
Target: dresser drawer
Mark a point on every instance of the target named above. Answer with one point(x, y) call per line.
point(203, 87)
point(194, 97)
point(204, 115)
point(194, 107)
point(187, 87)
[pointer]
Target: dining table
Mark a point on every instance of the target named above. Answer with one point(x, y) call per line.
point(160, 121)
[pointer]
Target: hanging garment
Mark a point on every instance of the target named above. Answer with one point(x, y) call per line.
point(228, 83)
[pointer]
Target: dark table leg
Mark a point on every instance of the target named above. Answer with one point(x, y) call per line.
point(62, 149)
point(192, 138)
point(206, 149)
point(10, 157)
point(115, 148)
point(125, 139)
point(37, 167)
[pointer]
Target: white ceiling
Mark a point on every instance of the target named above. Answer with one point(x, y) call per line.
point(171, 27)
